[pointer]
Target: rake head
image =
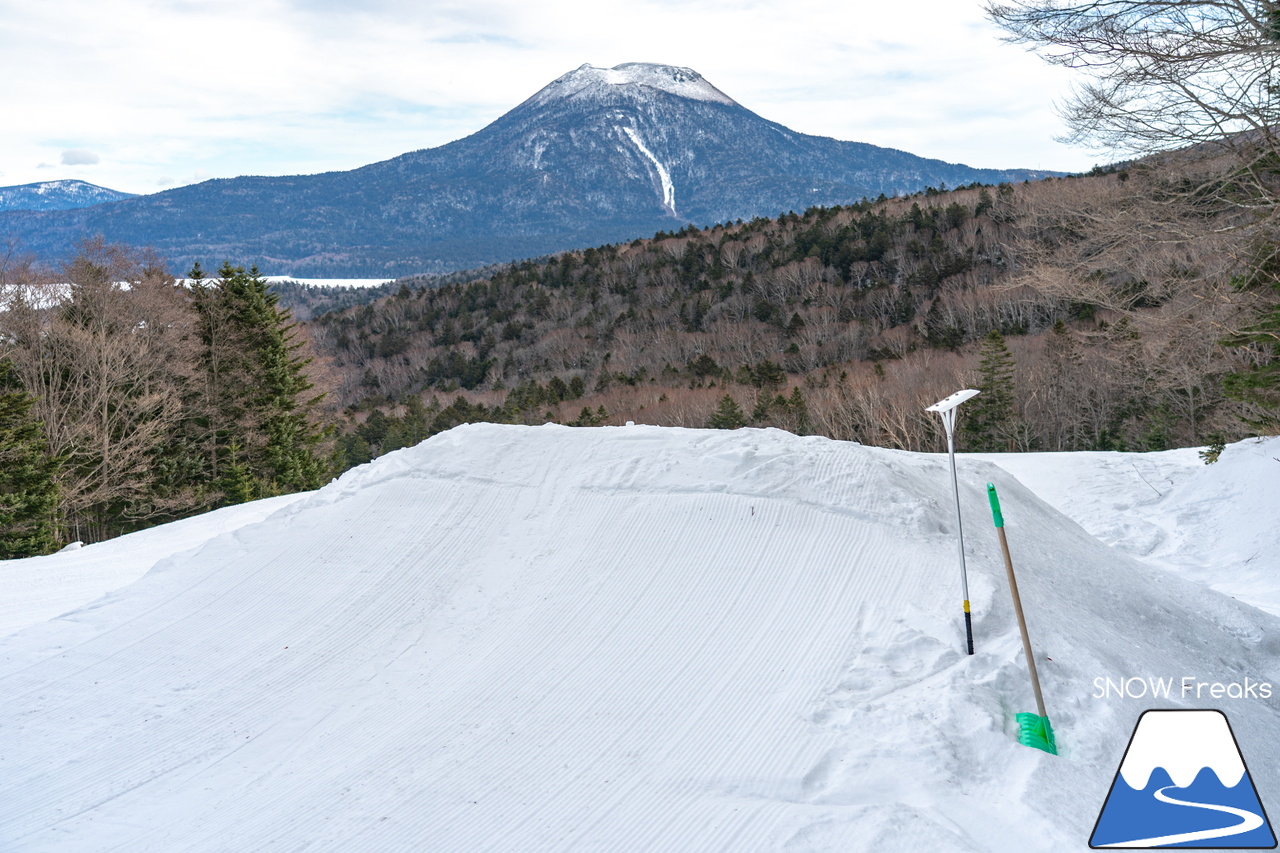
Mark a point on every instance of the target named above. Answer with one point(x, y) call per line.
point(1034, 731)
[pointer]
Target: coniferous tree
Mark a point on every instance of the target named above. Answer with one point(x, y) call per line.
point(28, 476)
point(1259, 383)
point(257, 390)
point(728, 415)
point(799, 412)
point(991, 417)
point(236, 483)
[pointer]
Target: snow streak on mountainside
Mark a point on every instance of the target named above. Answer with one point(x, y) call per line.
point(594, 157)
point(514, 638)
point(668, 188)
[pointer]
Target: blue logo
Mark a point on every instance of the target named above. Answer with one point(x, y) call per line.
point(1183, 783)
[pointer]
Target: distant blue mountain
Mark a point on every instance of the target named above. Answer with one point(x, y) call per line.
point(599, 155)
point(57, 195)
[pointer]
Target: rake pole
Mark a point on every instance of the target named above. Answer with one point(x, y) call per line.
point(1037, 733)
point(1017, 599)
point(946, 410)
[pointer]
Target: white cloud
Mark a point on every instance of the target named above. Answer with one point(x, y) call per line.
point(79, 157)
point(295, 86)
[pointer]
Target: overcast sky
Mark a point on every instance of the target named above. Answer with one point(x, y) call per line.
point(141, 95)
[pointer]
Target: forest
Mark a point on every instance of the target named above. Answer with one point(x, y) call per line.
point(1101, 312)
point(129, 398)
point(1095, 312)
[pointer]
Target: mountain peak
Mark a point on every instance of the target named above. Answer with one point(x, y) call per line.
point(64, 194)
point(588, 81)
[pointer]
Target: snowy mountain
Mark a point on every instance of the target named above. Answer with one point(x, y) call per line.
point(599, 155)
point(57, 195)
point(628, 638)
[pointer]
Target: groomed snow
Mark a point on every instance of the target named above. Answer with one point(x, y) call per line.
point(632, 639)
point(40, 588)
point(1214, 524)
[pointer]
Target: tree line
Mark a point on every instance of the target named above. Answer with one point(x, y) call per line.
point(129, 398)
point(1112, 297)
point(1093, 313)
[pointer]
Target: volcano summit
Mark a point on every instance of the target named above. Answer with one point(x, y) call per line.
point(598, 155)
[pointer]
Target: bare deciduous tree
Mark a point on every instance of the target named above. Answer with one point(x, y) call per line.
point(106, 362)
point(1172, 74)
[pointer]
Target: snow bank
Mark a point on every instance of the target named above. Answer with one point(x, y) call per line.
point(1215, 524)
point(40, 588)
point(634, 638)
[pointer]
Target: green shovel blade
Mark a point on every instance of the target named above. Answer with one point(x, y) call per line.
point(1034, 731)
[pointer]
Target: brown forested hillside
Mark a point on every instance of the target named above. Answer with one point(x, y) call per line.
point(1111, 293)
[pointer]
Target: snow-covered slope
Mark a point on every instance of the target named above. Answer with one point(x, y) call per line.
point(632, 639)
point(40, 588)
point(590, 82)
point(1215, 524)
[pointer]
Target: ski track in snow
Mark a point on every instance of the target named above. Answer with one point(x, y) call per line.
point(668, 188)
point(612, 639)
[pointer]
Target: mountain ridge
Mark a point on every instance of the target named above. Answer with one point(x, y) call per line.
point(65, 194)
point(584, 161)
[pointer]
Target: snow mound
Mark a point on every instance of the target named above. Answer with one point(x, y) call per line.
point(39, 588)
point(1214, 524)
point(627, 638)
point(590, 82)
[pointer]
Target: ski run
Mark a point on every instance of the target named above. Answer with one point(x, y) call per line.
point(636, 639)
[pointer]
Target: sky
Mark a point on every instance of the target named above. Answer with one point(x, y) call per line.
point(144, 95)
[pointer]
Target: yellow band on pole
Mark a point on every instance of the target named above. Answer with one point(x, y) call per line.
point(966, 605)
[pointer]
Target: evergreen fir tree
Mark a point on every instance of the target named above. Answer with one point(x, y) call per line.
point(258, 398)
point(991, 418)
point(236, 484)
point(728, 415)
point(1259, 383)
point(799, 411)
point(28, 476)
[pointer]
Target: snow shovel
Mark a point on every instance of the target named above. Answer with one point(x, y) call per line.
point(1034, 730)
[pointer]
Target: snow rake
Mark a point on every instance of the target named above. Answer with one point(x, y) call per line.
point(1034, 730)
point(946, 410)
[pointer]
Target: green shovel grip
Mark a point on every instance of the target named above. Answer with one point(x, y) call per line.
point(995, 505)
